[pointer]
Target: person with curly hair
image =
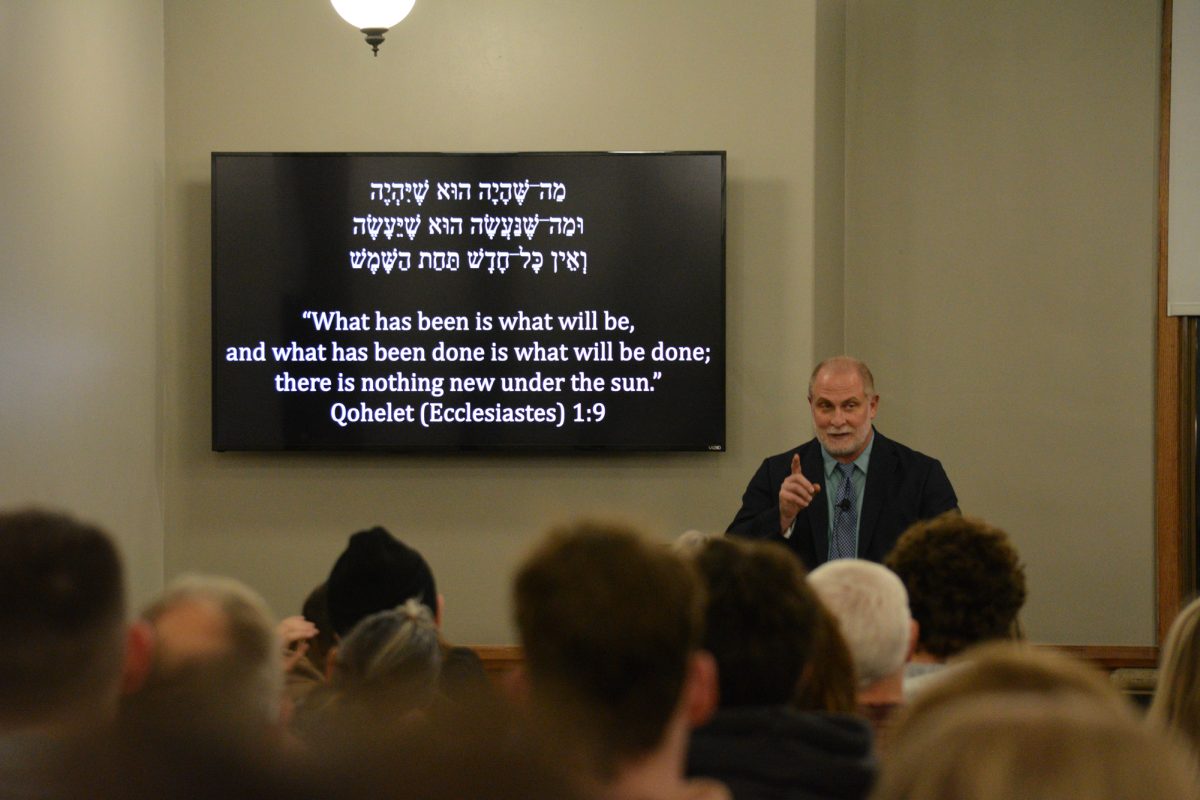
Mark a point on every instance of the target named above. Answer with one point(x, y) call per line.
point(966, 585)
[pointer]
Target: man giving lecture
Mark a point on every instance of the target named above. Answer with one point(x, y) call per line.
point(850, 492)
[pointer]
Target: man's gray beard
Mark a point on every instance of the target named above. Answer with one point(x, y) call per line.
point(844, 450)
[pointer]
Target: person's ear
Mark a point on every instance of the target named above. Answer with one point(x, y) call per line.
point(139, 656)
point(701, 691)
point(914, 633)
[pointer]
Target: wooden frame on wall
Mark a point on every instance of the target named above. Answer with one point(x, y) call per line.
point(1175, 401)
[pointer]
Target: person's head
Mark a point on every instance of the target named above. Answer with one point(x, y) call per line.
point(390, 657)
point(1064, 747)
point(62, 609)
point(760, 617)
point(965, 582)
point(1176, 703)
point(611, 626)
point(1011, 668)
point(215, 635)
point(871, 607)
point(376, 572)
point(841, 395)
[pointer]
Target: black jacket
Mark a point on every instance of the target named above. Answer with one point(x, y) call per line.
point(903, 486)
point(776, 752)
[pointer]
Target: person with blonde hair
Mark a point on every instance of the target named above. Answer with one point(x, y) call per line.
point(1010, 668)
point(1176, 703)
point(1033, 746)
point(383, 678)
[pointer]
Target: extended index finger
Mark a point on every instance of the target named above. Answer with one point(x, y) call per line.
point(813, 487)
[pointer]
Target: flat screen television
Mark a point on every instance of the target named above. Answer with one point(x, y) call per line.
point(434, 301)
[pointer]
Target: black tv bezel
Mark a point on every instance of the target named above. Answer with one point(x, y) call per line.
point(450, 448)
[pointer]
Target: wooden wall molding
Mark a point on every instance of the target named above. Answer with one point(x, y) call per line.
point(1113, 657)
point(500, 660)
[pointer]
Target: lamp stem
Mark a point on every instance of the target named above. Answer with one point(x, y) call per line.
point(374, 38)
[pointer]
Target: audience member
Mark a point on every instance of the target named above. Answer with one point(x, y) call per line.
point(871, 608)
point(62, 610)
point(965, 583)
point(1176, 703)
point(611, 626)
point(385, 671)
point(1005, 667)
point(216, 651)
point(760, 624)
point(391, 656)
point(378, 572)
point(63, 615)
point(1066, 746)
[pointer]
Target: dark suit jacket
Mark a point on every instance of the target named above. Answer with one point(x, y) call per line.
point(903, 486)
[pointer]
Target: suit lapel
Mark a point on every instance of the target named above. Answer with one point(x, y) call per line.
point(879, 473)
point(811, 464)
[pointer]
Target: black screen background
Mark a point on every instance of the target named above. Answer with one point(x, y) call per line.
point(654, 238)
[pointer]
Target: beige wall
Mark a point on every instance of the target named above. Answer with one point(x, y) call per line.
point(989, 247)
point(1000, 270)
point(477, 75)
point(81, 184)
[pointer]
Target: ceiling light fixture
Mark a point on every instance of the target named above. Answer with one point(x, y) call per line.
point(373, 17)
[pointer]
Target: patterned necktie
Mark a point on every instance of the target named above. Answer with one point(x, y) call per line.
point(845, 517)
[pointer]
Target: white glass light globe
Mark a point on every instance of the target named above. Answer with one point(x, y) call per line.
point(364, 14)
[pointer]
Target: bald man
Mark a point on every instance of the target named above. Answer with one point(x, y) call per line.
point(850, 491)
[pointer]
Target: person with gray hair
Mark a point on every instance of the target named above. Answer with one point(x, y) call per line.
point(217, 650)
point(850, 491)
point(870, 604)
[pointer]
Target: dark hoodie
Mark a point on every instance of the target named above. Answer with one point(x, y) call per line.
point(776, 752)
